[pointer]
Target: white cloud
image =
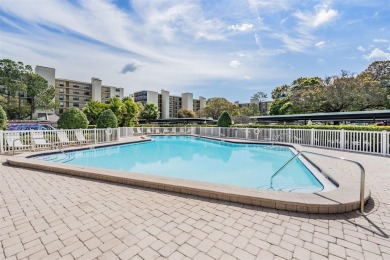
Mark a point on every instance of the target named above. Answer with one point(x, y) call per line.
point(270, 5)
point(320, 44)
point(322, 15)
point(257, 40)
point(241, 27)
point(381, 40)
point(247, 77)
point(361, 48)
point(377, 54)
point(235, 64)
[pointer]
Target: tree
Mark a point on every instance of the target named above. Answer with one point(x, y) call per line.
point(224, 120)
point(3, 119)
point(251, 110)
point(39, 93)
point(107, 119)
point(215, 106)
point(116, 106)
point(150, 112)
point(186, 113)
point(130, 112)
point(93, 109)
point(380, 71)
point(11, 79)
point(73, 118)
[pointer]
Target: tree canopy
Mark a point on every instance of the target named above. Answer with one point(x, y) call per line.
point(215, 106)
point(150, 112)
point(347, 92)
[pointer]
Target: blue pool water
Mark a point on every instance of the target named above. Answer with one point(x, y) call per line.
point(185, 157)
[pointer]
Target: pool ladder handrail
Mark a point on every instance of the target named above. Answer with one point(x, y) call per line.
point(362, 173)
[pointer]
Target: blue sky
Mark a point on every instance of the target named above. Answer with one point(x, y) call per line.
point(212, 48)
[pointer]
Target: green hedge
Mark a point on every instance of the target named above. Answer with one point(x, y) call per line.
point(328, 127)
point(107, 119)
point(224, 120)
point(73, 118)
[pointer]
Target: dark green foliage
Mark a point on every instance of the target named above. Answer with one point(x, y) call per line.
point(73, 118)
point(3, 119)
point(150, 112)
point(224, 120)
point(107, 119)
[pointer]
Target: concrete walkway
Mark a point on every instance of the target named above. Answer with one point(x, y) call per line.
point(51, 216)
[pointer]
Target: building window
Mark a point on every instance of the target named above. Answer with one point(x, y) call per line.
point(117, 95)
point(87, 87)
point(75, 98)
point(86, 93)
point(61, 84)
point(76, 86)
point(117, 90)
point(107, 96)
point(76, 92)
point(61, 90)
point(62, 104)
point(61, 97)
point(76, 104)
point(86, 99)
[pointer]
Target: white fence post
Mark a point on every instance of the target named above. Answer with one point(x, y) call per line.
point(1, 141)
point(384, 142)
point(270, 134)
point(312, 137)
point(289, 135)
point(94, 134)
point(246, 133)
point(118, 132)
point(342, 139)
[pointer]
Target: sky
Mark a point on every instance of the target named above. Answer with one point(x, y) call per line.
point(212, 48)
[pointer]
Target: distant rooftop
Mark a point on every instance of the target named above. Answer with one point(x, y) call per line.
point(337, 116)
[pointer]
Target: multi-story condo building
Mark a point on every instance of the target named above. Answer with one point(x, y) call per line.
point(168, 105)
point(263, 106)
point(72, 93)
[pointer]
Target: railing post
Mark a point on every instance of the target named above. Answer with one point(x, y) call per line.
point(94, 134)
point(342, 139)
point(270, 134)
point(384, 142)
point(312, 137)
point(219, 132)
point(117, 134)
point(1, 141)
point(289, 135)
point(246, 133)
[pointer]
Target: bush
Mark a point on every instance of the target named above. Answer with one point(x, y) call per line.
point(3, 119)
point(73, 118)
point(91, 126)
point(107, 119)
point(224, 120)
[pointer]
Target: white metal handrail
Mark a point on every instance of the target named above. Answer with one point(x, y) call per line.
point(362, 172)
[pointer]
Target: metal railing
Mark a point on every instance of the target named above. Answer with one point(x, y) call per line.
point(362, 172)
point(373, 142)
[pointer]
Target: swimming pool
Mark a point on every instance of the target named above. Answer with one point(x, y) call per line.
point(199, 159)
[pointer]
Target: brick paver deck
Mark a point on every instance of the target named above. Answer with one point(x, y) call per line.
point(50, 216)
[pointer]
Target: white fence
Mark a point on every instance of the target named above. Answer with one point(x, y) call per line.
point(31, 140)
point(373, 142)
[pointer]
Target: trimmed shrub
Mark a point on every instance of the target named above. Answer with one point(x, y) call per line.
point(3, 119)
point(73, 118)
point(107, 119)
point(224, 120)
point(91, 126)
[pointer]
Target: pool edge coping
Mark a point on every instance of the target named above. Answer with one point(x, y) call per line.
point(343, 199)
